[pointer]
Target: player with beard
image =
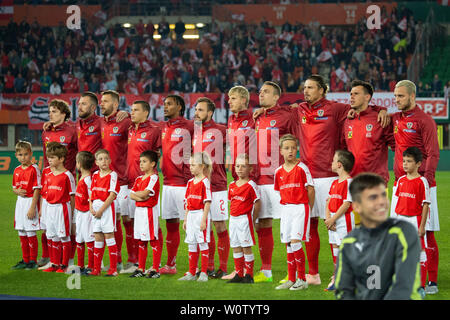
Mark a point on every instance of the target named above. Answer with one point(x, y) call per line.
point(415, 128)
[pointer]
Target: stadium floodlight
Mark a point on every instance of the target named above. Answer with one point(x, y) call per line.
point(127, 25)
point(200, 25)
point(191, 36)
point(156, 36)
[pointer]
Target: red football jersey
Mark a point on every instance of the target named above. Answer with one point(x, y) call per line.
point(368, 141)
point(292, 185)
point(102, 186)
point(320, 129)
point(115, 140)
point(242, 198)
point(339, 193)
point(412, 194)
point(28, 179)
point(176, 149)
point(415, 128)
point(89, 133)
point(197, 194)
point(45, 172)
point(242, 139)
point(149, 183)
point(211, 138)
point(83, 193)
point(60, 187)
point(65, 134)
point(145, 137)
point(270, 127)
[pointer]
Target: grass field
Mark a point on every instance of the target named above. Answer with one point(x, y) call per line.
point(38, 284)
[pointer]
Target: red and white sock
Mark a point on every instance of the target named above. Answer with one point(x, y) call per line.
point(223, 248)
point(66, 251)
point(291, 264)
point(99, 249)
point(172, 242)
point(90, 248)
point(266, 244)
point(211, 251)
point(25, 248)
point(81, 250)
point(156, 253)
point(112, 249)
point(143, 252)
point(204, 260)
point(44, 244)
point(249, 260)
point(313, 247)
point(57, 251)
point(299, 257)
point(239, 263)
point(193, 260)
point(34, 245)
point(50, 250)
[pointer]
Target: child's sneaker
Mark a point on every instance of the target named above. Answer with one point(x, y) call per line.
point(137, 274)
point(52, 268)
point(31, 265)
point(152, 274)
point(43, 261)
point(284, 286)
point(299, 285)
point(19, 265)
point(168, 270)
point(261, 277)
point(203, 277)
point(188, 277)
point(247, 279)
point(236, 279)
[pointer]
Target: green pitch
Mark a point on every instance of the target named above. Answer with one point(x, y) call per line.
point(38, 284)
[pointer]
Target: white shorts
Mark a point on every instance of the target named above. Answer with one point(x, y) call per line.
point(58, 220)
point(21, 221)
point(433, 218)
point(241, 231)
point(107, 222)
point(193, 233)
point(394, 201)
point(322, 189)
point(173, 204)
point(294, 223)
point(146, 223)
point(42, 223)
point(344, 225)
point(415, 221)
point(219, 206)
point(270, 202)
point(131, 206)
point(84, 229)
point(122, 201)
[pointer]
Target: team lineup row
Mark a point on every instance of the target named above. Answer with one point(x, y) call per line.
point(321, 127)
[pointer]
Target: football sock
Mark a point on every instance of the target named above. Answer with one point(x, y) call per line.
point(99, 249)
point(291, 264)
point(34, 245)
point(129, 239)
point(44, 244)
point(265, 240)
point(239, 262)
point(57, 248)
point(212, 250)
point(204, 260)
point(50, 250)
point(172, 242)
point(112, 249)
point(156, 252)
point(25, 248)
point(313, 247)
point(223, 248)
point(249, 263)
point(81, 250)
point(193, 259)
point(90, 248)
point(143, 252)
point(299, 257)
point(432, 251)
point(66, 251)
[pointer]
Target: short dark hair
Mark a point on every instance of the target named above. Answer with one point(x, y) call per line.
point(368, 88)
point(86, 159)
point(150, 155)
point(144, 104)
point(364, 181)
point(209, 103)
point(92, 96)
point(112, 93)
point(347, 159)
point(275, 86)
point(320, 82)
point(179, 100)
point(414, 153)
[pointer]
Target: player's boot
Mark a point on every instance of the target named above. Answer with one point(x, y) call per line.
point(218, 274)
point(261, 277)
point(248, 279)
point(236, 279)
point(31, 265)
point(153, 274)
point(188, 277)
point(284, 280)
point(137, 274)
point(299, 285)
point(168, 270)
point(284, 286)
point(43, 261)
point(313, 279)
point(431, 288)
point(203, 277)
point(46, 266)
point(19, 265)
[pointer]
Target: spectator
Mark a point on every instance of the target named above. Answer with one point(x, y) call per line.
point(20, 84)
point(163, 28)
point(111, 83)
point(46, 82)
point(9, 83)
point(94, 85)
point(55, 88)
point(179, 30)
point(436, 85)
point(447, 91)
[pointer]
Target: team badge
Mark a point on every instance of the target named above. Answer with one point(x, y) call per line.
point(273, 123)
point(320, 113)
point(91, 128)
point(244, 123)
point(177, 130)
point(303, 119)
point(369, 127)
point(143, 135)
point(116, 129)
point(209, 135)
point(409, 125)
point(62, 138)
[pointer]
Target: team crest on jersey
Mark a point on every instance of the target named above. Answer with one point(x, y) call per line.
point(320, 113)
point(91, 128)
point(409, 125)
point(369, 127)
point(244, 123)
point(273, 123)
point(116, 129)
point(177, 130)
point(62, 138)
point(143, 135)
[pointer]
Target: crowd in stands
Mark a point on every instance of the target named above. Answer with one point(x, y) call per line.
point(40, 59)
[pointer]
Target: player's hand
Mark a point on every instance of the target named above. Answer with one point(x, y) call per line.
point(258, 112)
point(126, 219)
point(21, 192)
point(98, 214)
point(31, 214)
point(184, 225)
point(383, 118)
point(351, 114)
point(47, 126)
point(121, 115)
point(203, 225)
point(294, 105)
point(256, 225)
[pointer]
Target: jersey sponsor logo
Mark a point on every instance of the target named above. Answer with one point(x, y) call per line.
point(290, 185)
point(369, 127)
point(407, 195)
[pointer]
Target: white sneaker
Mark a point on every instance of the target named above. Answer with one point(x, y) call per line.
point(287, 285)
point(203, 277)
point(129, 268)
point(188, 277)
point(48, 265)
point(299, 285)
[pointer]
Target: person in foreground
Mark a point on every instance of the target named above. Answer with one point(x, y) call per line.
point(379, 260)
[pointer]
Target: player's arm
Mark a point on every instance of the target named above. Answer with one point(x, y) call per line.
point(32, 211)
point(72, 203)
point(407, 270)
point(345, 279)
point(106, 204)
point(256, 210)
point(20, 192)
point(327, 215)
point(339, 213)
point(431, 144)
point(425, 210)
point(311, 196)
point(121, 115)
point(205, 215)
